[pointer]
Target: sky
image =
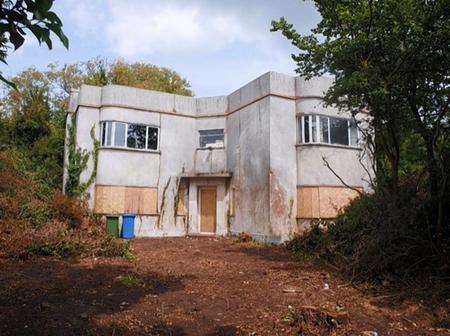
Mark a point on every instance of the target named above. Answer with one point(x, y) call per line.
point(218, 46)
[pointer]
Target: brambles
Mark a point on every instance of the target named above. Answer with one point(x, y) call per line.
point(381, 236)
point(36, 220)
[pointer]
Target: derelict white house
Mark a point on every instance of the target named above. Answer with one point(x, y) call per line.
point(251, 161)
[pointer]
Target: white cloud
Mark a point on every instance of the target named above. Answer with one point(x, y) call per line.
point(172, 27)
point(85, 17)
point(197, 38)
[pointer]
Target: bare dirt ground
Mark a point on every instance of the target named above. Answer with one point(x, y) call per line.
point(197, 286)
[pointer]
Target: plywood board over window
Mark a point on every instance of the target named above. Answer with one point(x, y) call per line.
point(308, 202)
point(323, 202)
point(122, 199)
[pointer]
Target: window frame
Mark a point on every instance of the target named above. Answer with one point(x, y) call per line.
point(204, 135)
point(104, 127)
point(316, 119)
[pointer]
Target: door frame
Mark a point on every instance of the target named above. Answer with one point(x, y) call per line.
point(199, 206)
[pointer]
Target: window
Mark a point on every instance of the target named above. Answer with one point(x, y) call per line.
point(152, 138)
point(136, 136)
point(213, 138)
point(124, 135)
point(339, 131)
point(119, 134)
point(328, 130)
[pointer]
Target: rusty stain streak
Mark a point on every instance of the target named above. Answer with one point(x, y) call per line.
point(163, 200)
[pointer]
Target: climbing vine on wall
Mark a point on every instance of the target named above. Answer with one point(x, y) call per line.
point(77, 162)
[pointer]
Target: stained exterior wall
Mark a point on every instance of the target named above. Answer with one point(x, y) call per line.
point(260, 170)
point(283, 193)
point(248, 162)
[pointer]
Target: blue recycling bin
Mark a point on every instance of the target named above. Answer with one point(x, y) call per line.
point(128, 226)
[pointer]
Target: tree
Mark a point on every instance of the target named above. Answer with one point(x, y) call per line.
point(33, 116)
point(101, 72)
point(19, 16)
point(390, 58)
point(147, 76)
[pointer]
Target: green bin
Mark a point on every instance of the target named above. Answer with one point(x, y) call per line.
point(112, 225)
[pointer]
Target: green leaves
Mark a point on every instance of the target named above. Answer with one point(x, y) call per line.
point(16, 39)
point(6, 81)
point(32, 15)
point(390, 59)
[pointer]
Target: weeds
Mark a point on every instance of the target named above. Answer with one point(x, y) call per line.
point(312, 321)
point(244, 237)
point(131, 280)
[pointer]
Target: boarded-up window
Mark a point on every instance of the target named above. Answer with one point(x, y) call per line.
point(323, 202)
point(120, 199)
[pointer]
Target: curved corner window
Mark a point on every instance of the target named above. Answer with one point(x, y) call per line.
point(328, 130)
point(125, 135)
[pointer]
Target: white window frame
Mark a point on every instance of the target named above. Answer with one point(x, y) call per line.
point(318, 131)
point(302, 120)
point(124, 146)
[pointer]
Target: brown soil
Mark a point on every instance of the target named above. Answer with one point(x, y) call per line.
point(198, 286)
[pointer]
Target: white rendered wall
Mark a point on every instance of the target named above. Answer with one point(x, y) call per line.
point(349, 163)
point(283, 172)
point(248, 161)
point(260, 125)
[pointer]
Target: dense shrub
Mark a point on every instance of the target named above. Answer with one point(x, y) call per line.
point(37, 220)
point(380, 235)
point(69, 209)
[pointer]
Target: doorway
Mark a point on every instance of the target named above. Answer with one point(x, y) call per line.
point(208, 210)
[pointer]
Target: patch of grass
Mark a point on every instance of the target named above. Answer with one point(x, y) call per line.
point(114, 247)
point(131, 280)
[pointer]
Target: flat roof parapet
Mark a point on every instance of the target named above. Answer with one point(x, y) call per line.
point(270, 83)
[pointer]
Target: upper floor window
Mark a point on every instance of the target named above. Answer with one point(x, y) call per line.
point(126, 135)
point(213, 138)
point(328, 130)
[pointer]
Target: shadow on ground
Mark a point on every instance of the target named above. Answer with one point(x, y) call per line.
point(54, 297)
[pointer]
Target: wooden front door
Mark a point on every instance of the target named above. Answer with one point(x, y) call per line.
point(207, 210)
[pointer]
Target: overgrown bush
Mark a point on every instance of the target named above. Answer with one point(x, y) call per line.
point(381, 236)
point(69, 209)
point(37, 220)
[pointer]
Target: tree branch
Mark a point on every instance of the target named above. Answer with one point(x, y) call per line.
point(340, 178)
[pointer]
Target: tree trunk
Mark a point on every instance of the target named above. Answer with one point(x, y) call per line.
point(435, 187)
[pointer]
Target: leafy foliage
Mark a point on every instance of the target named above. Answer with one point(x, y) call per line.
point(19, 16)
point(381, 236)
point(35, 219)
point(150, 77)
point(33, 117)
point(390, 60)
point(77, 163)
